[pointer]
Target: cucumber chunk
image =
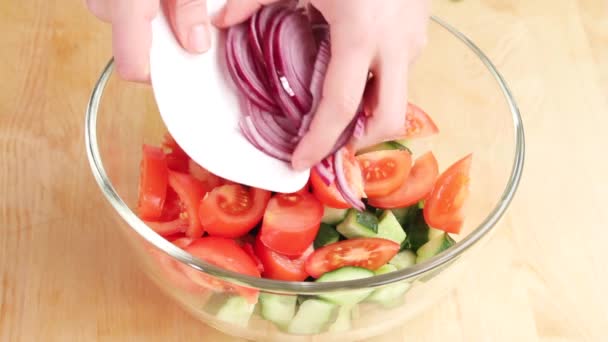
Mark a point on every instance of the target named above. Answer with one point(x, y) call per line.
point(435, 246)
point(417, 231)
point(236, 310)
point(389, 228)
point(403, 259)
point(384, 146)
point(401, 215)
point(333, 216)
point(343, 320)
point(391, 295)
point(358, 224)
point(326, 235)
point(350, 297)
point(278, 309)
point(312, 317)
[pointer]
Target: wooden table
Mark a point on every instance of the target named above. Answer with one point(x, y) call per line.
point(56, 280)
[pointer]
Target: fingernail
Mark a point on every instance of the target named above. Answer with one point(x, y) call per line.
point(199, 39)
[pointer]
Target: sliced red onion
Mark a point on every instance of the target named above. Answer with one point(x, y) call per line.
point(316, 84)
point(282, 96)
point(295, 51)
point(263, 144)
point(325, 170)
point(247, 134)
point(244, 70)
point(269, 130)
point(359, 126)
point(342, 184)
point(288, 125)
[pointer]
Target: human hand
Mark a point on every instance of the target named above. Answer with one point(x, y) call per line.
point(132, 31)
point(383, 37)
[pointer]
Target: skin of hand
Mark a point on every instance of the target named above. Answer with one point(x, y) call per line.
point(381, 37)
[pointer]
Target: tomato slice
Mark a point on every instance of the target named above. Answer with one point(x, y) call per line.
point(209, 180)
point(417, 186)
point(232, 210)
point(248, 248)
point(179, 225)
point(329, 195)
point(384, 171)
point(370, 253)
point(291, 222)
point(227, 254)
point(177, 159)
point(418, 124)
point(443, 207)
point(172, 269)
point(173, 206)
point(190, 192)
point(281, 267)
point(153, 179)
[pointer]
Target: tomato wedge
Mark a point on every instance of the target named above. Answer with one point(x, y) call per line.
point(443, 207)
point(209, 180)
point(232, 210)
point(418, 184)
point(172, 208)
point(291, 222)
point(384, 171)
point(177, 159)
point(418, 124)
point(152, 183)
point(227, 254)
point(281, 267)
point(167, 228)
point(172, 269)
point(248, 248)
point(370, 253)
point(329, 195)
point(190, 192)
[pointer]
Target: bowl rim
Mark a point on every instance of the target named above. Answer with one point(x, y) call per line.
point(311, 288)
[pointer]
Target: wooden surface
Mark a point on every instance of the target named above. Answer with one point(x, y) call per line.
point(545, 279)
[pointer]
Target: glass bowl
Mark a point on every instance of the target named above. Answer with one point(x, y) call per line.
point(452, 80)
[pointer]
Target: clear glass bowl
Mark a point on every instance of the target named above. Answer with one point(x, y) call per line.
point(452, 80)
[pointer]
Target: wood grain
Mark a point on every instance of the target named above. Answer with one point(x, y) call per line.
point(545, 279)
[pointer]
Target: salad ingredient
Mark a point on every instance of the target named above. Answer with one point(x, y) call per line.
point(346, 297)
point(418, 124)
point(389, 228)
point(416, 187)
point(312, 317)
point(209, 180)
point(370, 253)
point(153, 181)
point(236, 310)
point(390, 295)
point(443, 207)
point(384, 171)
point(326, 235)
point(435, 246)
point(333, 216)
point(279, 309)
point(232, 210)
point(351, 186)
point(190, 192)
point(403, 259)
point(291, 222)
point(281, 267)
point(343, 319)
point(167, 228)
point(358, 224)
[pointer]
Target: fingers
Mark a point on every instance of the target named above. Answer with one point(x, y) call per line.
point(102, 9)
point(342, 90)
point(190, 24)
point(237, 11)
point(387, 101)
point(132, 36)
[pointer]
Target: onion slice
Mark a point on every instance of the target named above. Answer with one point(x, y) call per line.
point(342, 184)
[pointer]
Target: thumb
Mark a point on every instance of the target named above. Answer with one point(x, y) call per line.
point(190, 24)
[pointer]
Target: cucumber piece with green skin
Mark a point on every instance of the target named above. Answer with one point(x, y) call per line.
point(236, 310)
point(384, 146)
point(312, 317)
point(333, 216)
point(390, 295)
point(389, 228)
point(418, 232)
point(401, 215)
point(279, 309)
point(326, 235)
point(435, 246)
point(358, 224)
point(403, 259)
point(343, 320)
point(350, 297)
